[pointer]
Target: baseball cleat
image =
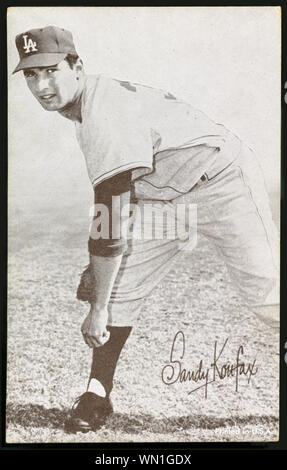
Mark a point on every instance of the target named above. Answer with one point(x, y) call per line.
point(88, 413)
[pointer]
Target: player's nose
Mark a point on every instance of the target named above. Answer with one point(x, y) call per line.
point(42, 84)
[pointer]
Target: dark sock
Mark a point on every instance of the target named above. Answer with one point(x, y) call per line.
point(105, 357)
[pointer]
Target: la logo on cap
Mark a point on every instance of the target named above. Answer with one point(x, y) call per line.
point(30, 45)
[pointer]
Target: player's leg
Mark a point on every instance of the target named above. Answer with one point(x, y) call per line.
point(234, 213)
point(146, 262)
point(105, 359)
point(94, 406)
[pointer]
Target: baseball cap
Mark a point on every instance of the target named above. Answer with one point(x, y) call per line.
point(42, 47)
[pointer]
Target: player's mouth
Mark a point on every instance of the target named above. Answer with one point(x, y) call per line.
point(47, 98)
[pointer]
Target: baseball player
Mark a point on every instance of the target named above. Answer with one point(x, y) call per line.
point(144, 147)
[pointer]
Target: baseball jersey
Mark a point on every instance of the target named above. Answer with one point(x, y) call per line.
point(167, 143)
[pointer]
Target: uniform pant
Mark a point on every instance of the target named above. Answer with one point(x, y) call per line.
point(232, 211)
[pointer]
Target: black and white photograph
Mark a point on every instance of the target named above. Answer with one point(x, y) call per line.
point(144, 150)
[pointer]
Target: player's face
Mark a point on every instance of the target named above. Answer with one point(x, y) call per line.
point(54, 87)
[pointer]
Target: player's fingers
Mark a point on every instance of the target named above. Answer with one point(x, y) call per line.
point(84, 327)
point(106, 336)
point(83, 330)
point(96, 343)
point(88, 340)
point(99, 340)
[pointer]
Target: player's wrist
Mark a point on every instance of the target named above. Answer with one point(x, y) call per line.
point(98, 308)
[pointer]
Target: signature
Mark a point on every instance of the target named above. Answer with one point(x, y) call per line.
point(203, 377)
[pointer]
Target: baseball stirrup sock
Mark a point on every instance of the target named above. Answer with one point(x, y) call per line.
point(105, 357)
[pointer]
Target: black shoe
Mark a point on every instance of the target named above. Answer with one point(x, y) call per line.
point(89, 413)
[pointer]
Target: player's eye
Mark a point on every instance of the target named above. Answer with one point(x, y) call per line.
point(51, 70)
point(29, 73)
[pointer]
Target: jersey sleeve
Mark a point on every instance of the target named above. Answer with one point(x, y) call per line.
point(114, 136)
point(105, 242)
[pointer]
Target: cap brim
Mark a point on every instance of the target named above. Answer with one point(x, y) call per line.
point(43, 59)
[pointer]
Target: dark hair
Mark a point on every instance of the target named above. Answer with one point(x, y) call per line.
point(72, 59)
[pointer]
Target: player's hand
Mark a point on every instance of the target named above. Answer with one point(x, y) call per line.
point(94, 328)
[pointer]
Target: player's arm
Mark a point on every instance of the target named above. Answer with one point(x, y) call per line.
point(106, 252)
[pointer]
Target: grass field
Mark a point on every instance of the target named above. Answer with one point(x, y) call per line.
point(48, 362)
